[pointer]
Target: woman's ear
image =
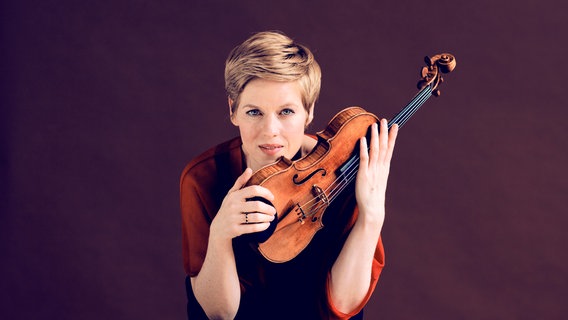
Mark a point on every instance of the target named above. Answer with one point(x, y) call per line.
point(310, 115)
point(231, 114)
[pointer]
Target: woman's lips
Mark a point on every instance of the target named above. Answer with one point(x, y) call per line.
point(270, 149)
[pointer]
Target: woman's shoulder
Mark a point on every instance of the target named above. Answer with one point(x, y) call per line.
point(209, 161)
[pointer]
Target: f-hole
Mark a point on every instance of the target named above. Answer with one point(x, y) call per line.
point(295, 177)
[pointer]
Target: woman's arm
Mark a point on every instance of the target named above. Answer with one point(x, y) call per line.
point(217, 287)
point(351, 272)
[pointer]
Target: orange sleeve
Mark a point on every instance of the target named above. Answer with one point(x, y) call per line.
point(378, 264)
point(202, 189)
point(195, 224)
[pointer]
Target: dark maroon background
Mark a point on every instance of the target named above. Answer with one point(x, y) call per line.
point(104, 102)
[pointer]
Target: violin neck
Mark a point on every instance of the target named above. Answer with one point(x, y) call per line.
point(411, 107)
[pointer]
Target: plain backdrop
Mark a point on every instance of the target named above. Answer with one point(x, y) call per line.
point(104, 102)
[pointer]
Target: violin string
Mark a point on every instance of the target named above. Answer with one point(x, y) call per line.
point(345, 178)
point(412, 111)
point(317, 202)
point(337, 186)
point(408, 111)
point(412, 107)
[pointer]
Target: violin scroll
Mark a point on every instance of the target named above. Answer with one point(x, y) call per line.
point(432, 73)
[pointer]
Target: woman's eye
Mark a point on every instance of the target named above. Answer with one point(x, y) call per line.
point(287, 112)
point(253, 112)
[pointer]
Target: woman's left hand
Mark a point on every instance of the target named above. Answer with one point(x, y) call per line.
point(351, 272)
point(374, 166)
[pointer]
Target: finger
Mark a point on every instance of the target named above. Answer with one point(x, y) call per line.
point(254, 227)
point(242, 180)
point(258, 207)
point(393, 133)
point(257, 191)
point(255, 217)
point(363, 155)
point(383, 136)
point(375, 142)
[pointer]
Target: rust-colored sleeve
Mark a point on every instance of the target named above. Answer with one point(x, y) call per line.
point(195, 224)
point(378, 264)
point(203, 185)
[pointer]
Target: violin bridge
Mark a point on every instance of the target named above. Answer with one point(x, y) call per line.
point(321, 202)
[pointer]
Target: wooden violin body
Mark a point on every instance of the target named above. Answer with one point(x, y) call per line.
point(304, 188)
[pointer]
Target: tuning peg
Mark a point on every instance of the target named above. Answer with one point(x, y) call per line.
point(424, 72)
point(436, 93)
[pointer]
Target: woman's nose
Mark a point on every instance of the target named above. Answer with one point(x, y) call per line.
point(271, 126)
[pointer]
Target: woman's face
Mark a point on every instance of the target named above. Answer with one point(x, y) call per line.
point(271, 120)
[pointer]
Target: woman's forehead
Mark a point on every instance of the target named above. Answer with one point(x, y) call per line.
point(268, 93)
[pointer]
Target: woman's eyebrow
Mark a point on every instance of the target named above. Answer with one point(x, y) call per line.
point(285, 105)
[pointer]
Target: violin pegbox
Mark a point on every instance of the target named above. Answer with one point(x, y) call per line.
point(431, 74)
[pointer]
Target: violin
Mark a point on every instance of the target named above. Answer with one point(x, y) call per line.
point(304, 188)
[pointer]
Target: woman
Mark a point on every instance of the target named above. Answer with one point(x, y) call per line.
point(272, 85)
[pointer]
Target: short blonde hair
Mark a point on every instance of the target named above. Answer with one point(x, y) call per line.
point(271, 55)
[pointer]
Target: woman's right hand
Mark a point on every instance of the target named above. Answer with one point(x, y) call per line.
point(238, 216)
